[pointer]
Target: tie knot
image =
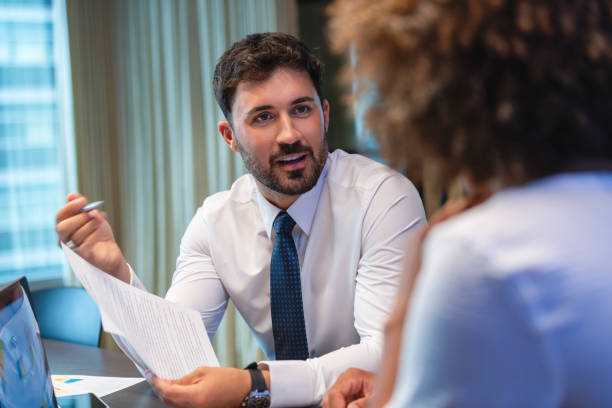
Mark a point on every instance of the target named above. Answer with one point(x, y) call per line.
point(283, 223)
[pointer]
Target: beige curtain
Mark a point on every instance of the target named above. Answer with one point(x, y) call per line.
point(145, 123)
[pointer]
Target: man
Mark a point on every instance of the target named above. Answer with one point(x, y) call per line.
point(308, 246)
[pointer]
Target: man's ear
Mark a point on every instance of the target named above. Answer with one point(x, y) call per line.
point(227, 134)
point(326, 113)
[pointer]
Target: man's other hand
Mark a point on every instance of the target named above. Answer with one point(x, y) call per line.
point(208, 387)
point(91, 236)
point(353, 388)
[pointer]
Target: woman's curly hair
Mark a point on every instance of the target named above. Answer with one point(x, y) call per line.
point(498, 88)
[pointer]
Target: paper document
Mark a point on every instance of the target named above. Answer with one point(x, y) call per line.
point(65, 385)
point(164, 337)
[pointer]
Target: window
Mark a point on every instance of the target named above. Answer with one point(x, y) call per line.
point(36, 149)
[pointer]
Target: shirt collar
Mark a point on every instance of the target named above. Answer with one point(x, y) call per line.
point(302, 210)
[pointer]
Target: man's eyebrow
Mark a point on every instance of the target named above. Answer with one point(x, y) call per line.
point(258, 109)
point(303, 99)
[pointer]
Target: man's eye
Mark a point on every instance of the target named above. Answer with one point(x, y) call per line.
point(301, 109)
point(263, 117)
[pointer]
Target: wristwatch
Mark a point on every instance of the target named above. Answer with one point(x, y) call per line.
point(259, 397)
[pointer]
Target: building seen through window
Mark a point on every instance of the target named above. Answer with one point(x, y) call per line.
point(33, 138)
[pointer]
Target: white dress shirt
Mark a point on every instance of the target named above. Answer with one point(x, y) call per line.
point(350, 233)
point(513, 305)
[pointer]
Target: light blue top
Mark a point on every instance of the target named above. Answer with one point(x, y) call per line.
point(513, 305)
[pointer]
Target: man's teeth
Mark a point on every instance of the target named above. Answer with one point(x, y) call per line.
point(291, 159)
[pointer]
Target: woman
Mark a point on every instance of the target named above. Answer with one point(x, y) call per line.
point(512, 306)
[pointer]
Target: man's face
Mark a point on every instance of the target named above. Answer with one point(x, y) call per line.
point(279, 129)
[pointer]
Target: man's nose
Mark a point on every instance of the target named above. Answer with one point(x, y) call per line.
point(287, 132)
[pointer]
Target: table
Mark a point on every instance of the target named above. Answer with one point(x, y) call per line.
point(68, 358)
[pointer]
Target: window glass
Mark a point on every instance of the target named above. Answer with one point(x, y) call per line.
point(32, 139)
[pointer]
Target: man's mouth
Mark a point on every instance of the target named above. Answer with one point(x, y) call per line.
point(292, 161)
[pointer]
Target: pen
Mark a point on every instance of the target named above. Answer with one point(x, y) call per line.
point(91, 206)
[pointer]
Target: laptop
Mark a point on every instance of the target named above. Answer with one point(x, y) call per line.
point(25, 379)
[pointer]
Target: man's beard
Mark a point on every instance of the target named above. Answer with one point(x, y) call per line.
point(299, 181)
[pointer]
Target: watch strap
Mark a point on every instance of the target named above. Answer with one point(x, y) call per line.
point(259, 396)
point(258, 382)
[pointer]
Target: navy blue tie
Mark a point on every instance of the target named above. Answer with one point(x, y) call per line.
point(288, 326)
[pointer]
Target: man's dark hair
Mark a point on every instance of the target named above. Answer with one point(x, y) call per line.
point(255, 57)
point(513, 88)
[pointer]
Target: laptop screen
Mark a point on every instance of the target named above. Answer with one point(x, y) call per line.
point(25, 380)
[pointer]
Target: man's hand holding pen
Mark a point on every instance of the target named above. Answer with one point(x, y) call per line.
point(90, 234)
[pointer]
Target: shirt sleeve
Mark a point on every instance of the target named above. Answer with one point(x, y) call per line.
point(468, 341)
point(393, 214)
point(195, 283)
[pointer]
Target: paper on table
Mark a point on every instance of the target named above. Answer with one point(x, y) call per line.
point(169, 339)
point(65, 385)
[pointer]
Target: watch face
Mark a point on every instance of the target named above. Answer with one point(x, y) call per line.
point(258, 399)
